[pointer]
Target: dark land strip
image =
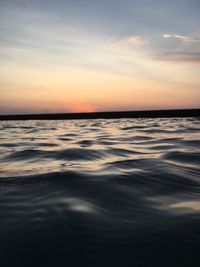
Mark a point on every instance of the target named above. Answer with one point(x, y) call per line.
point(179, 113)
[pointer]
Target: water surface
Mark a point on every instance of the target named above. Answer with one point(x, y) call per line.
point(100, 192)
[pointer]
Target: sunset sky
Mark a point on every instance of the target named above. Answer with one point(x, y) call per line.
point(89, 55)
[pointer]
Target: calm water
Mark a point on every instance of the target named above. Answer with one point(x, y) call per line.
point(100, 193)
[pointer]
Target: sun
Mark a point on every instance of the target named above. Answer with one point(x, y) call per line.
point(82, 108)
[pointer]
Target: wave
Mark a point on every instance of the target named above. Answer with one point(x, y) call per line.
point(100, 193)
point(67, 154)
point(190, 157)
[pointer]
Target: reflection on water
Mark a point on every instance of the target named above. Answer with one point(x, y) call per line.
point(100, 192)
point(194, 205)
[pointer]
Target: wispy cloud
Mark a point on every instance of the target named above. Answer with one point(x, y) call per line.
point(182, 37)
point(136, 41)
point(183, 48)
point(182, 56)
point(186, 38)
point(166, 47)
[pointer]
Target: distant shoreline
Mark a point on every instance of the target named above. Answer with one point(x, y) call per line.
point(180, 113)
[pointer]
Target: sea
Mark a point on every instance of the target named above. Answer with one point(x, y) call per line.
point(98, 193)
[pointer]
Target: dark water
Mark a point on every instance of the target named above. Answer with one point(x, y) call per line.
point(100, 193)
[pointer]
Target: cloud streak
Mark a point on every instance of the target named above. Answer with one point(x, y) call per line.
point(180, 48)
point(134, 41)
point(182, 37)
point(166, 47)
point(185, 38)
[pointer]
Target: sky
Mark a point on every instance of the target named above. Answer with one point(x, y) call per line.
point(89, 55)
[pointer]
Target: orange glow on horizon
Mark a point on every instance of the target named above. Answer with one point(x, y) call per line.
point(82, 108)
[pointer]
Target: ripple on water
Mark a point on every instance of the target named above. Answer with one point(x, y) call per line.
point(100, 193)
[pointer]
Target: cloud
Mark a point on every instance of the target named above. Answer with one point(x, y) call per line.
point(181, 56)
point(182, 37)
point(177, 48)
point(166, 47)
point(136, 41)
point(185, 38)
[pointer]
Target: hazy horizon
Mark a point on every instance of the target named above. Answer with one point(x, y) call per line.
point(91, 56)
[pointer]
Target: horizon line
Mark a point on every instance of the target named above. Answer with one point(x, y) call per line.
point(194, 112)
